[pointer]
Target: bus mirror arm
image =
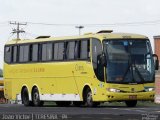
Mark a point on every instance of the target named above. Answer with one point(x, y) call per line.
point(156, 61)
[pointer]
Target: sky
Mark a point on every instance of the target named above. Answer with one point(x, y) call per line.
point(59, 17)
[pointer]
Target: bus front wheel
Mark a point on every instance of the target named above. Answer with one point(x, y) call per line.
point(131, 103)
point(88, 100)
point(36, 98)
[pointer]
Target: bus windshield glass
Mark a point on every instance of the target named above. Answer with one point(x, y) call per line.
point(129, 61)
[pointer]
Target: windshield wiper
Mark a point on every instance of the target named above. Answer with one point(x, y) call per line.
point(136, 70)
point(139, 74)
point(128, 69)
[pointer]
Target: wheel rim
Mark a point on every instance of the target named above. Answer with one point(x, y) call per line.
point(89, 98)
point(36, 98)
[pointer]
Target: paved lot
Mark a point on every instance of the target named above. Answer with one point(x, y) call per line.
point(15, 111)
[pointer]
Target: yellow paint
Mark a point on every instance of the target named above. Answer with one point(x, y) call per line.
point(66, 77)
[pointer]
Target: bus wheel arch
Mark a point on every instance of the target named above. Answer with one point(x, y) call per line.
point(87, 96)
point(25, 96)
point(36, 96)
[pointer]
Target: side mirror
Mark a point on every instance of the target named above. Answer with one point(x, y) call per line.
point(102, 59)
point(156, 61)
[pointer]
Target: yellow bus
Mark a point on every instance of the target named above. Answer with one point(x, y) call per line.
point(83, 70)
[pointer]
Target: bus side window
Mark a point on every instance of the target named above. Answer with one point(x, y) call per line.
point(44, 52)
point(14, 54)
point(8, 54)
point(84, 49)
point(70, 52)
point(59, 51)
point(55, 51)
point(34, 52)
point(24, 53)
point(47, 51)
point(77, 50)
point(21, 54)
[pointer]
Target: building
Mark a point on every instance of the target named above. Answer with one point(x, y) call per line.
point(157, 45)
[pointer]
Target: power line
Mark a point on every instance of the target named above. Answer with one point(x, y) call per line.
point(4, 22)
point(98, 25)
point(80, 26)
point(10, 36)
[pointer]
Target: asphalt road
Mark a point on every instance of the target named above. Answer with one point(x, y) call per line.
point(19, 112)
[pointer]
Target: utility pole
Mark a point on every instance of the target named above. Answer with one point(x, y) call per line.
point(80, 27)
point(18, 31)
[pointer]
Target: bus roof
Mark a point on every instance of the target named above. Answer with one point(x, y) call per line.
point(100, 36)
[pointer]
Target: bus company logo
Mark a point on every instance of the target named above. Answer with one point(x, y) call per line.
point(79, 67)
point(31, 70)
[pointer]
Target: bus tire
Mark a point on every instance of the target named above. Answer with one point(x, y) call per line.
point(88, 100)
point(35, 98)
point(25, 97)
point(131, 103)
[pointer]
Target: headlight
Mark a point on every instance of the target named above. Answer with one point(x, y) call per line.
point(149, 89)
point(113, 90)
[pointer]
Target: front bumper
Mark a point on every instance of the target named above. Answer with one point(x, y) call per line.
point(119, 96)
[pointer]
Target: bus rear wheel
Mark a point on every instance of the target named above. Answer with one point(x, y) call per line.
point(36, 98)
point(25, 97)
point(131, 103)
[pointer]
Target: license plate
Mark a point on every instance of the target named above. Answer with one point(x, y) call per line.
point(132, 97)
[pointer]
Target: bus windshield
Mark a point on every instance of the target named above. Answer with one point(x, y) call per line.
point(129, 61)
